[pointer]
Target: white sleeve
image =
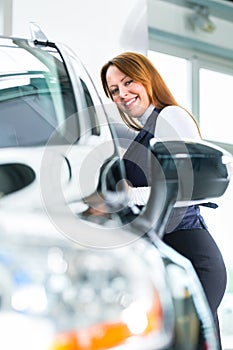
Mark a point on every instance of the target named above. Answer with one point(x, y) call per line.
point(174, 123)
point(138, 195)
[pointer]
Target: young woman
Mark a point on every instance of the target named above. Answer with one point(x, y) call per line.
point(147, 106)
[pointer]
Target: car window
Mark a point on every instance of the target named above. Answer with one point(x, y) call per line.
point(94, 122)
point(36, 95)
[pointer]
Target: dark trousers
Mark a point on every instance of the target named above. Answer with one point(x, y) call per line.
point(200, 248)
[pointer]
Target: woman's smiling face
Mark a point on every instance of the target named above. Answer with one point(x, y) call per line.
point(130, 96)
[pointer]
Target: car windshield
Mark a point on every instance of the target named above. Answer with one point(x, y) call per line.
point(35, 90)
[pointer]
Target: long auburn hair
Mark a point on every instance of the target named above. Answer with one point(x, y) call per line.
point(139, 68)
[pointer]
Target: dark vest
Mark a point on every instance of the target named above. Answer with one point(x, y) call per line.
point(137, 167)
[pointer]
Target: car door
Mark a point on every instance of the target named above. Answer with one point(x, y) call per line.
point(56, 127)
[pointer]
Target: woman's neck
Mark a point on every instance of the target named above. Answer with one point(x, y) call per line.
point(142, 120)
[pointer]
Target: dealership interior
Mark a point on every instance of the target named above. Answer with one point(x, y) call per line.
point(191, 44)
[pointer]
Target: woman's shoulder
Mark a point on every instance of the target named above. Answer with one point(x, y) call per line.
point(173, 111)
point(177, 115)
point(175, 122)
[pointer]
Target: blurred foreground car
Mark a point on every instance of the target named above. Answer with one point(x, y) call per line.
point(79, 269)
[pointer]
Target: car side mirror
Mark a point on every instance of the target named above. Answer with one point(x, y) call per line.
point(184, 173)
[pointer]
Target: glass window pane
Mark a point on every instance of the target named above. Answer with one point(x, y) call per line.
point(35, 90)
point(174, 70)
point(216, 106)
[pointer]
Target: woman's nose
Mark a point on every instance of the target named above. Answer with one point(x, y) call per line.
point(123, 91)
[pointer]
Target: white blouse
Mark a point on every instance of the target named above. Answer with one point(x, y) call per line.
point(173, 124)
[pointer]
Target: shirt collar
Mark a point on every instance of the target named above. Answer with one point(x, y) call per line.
point(146, 115)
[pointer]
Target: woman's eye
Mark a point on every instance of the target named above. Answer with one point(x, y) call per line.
point(114, 91)
point(128, 82)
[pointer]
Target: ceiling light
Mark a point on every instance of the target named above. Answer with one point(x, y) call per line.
point(200, 19)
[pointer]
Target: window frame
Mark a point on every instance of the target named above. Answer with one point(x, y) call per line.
point(198, 60)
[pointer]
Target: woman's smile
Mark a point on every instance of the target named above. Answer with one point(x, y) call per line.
point(130, 102)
